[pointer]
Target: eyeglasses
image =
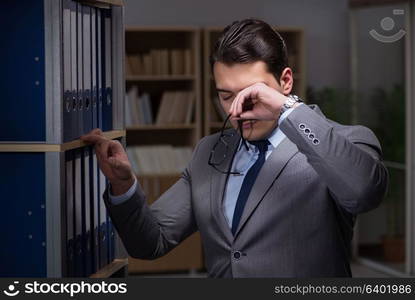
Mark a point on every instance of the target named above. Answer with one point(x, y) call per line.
point(215, 157)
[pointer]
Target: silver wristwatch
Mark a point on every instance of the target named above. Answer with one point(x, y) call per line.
point(289, 103)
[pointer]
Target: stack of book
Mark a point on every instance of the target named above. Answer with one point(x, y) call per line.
point(176, 107)
point(138, 109)
point(160, 62)
point(159, 159)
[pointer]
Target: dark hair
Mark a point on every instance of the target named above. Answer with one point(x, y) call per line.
point(251, 40)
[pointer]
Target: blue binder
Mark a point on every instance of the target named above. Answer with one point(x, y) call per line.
point(86, 69)
point(103, 247)
point(99, 63)
point(86, 216)
point(22, 250)
point(95, 209)
point(79, 239)
point(74, 70)
point(94, 67)
point(68, 113)
point(22, 49)
point(80, 86)
point(111, 239)
point(107, 72)
point(69, 213)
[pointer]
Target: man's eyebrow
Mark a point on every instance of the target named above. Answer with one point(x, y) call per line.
point(223, 90)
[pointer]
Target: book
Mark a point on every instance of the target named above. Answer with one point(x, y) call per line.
point(190, 107)
point(188, 63)
point(219, 108)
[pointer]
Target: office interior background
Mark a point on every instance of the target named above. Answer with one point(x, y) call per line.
point(338, 64)
point(354, 58)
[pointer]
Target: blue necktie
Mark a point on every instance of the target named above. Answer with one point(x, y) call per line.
point(248, 182)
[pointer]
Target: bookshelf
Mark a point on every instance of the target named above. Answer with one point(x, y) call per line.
point(213, 117)
point(163, 84)
point(57, 224)
point(162, 62)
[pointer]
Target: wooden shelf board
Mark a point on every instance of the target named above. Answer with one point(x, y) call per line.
point(111, 268)
point(38, 147)
point(161, 127)
point(134, 78)
point(78, 143)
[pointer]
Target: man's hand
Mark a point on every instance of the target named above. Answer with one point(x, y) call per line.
point(258, 101)
point(112, 160)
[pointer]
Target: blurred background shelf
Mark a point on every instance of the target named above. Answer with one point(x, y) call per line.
point(163, 79)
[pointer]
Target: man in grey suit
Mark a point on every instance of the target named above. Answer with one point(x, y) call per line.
point(276, 196)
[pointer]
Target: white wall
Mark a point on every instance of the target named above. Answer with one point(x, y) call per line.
point(326, 25)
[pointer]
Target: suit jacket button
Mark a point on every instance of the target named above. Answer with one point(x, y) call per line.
point(237, 255)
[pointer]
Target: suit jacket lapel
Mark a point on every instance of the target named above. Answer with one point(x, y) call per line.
point(218, 182)
point(267, 175)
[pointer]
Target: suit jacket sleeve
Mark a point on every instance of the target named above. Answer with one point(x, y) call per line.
point(149, 232)
point(347, 158)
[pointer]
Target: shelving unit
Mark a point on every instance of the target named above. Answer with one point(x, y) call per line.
point(164, 59)
point(54, 220)
point(143, 43)
point(294, 38)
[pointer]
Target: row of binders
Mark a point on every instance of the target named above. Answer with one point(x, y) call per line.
point(90, 236)
point(87, 59)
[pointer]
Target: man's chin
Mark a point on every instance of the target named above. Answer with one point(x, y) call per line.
point(251, 135)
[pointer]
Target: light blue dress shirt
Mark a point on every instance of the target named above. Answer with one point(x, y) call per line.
point(243, 160)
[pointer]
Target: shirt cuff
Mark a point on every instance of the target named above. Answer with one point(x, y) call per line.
point(286, 113)
point(124, 197)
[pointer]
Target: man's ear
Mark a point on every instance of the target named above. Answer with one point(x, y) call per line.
point(286, 81)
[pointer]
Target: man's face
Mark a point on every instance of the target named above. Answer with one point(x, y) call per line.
point(231, 79)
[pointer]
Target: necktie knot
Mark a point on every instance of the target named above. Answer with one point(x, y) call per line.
point(262, 145)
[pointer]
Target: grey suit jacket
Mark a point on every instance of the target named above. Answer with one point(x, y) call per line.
point(298, 220)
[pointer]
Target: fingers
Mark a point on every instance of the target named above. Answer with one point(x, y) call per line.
point(109, 149)
point(101, 149)
point(248, 115)
point(239, 101)
point(96, 131)
point(94, 136)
